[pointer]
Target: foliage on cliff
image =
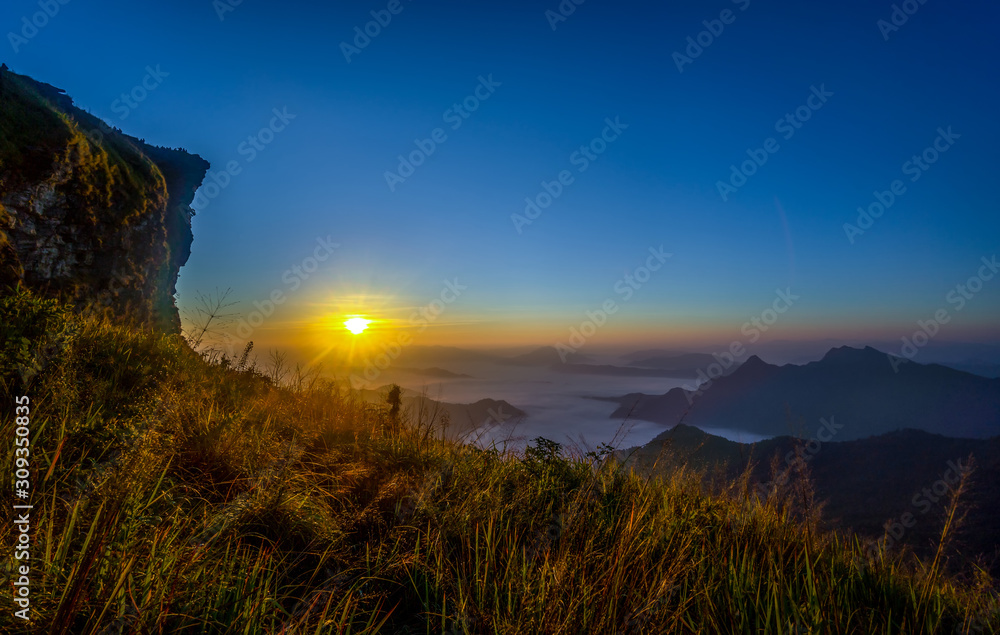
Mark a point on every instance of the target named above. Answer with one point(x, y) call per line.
point(86, 212)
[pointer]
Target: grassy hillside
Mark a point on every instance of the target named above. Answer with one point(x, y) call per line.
point(40, 129)
point(862, 483)
point(172, 495)
point(87, 212)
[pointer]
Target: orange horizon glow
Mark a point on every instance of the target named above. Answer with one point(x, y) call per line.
point(343, 327)
point(331, 333)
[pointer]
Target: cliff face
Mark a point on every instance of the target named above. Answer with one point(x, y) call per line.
point(88, 213)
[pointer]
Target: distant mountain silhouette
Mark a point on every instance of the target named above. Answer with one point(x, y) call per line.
point(650, 352)
point(684, 364)
point(653, 363)
point(436, 355)
point(860, 387)
point(434, 371)
point(623, 371)
point(863, 482)
point(543, 356)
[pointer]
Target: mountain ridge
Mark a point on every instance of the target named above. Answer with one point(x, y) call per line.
point(858, 385)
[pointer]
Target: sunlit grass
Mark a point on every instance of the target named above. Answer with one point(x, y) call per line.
point(172, 495)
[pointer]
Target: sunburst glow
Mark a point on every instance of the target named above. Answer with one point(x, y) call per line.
point(357, 325)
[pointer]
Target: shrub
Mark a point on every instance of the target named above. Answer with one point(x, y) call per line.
point(34, 332)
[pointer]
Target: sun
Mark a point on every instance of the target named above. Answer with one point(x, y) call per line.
point(357, 325)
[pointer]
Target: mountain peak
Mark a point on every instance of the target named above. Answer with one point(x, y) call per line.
point(849, 355)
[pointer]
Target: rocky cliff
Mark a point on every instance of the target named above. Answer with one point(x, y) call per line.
point(88, 213)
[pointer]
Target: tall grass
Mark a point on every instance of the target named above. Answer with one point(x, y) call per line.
point(173, 495)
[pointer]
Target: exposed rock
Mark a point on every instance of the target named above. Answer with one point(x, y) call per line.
point(88, 213)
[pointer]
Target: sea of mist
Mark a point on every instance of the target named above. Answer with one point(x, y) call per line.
point(559, 406)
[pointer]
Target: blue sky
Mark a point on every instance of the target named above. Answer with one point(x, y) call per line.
point(324, 173)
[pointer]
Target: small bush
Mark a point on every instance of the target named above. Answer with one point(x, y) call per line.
point(34, 332)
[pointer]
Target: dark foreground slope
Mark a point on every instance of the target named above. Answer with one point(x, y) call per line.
point(88, 213)
point(862, 388)
point(171, 495)
point(863, 484)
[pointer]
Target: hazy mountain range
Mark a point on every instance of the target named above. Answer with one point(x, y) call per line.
point(653, 363)
point(980, 359)
point(866, 393)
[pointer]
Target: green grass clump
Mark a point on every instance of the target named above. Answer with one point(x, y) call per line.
point(173, 495)
point(113, 181)
point(33, 331)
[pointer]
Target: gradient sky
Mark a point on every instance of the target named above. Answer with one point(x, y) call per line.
point(324, 174)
